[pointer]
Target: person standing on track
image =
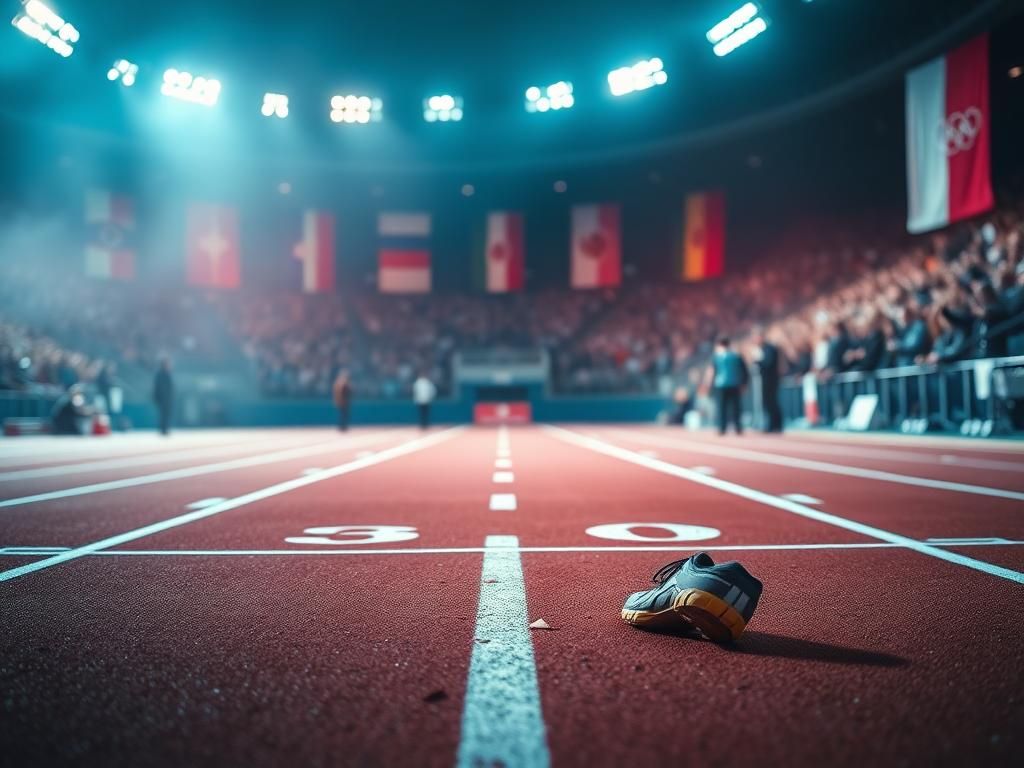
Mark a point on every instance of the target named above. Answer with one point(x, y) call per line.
point(163, 394)
point(342, 392)
point(423, 394)
point(728, 375)
point(768, 379)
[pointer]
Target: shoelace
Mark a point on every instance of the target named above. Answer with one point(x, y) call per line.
point(667, 571)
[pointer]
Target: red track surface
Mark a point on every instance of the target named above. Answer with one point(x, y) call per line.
point(220, 643)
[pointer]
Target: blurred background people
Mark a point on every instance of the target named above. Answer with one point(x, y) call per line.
point(423, 394)
point(342, 393)
point(163, 395)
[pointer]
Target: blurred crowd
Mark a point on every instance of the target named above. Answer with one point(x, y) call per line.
point(832, 299)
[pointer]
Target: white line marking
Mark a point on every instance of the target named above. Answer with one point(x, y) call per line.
point(134, 461)
point(801, 498)
point(478, 550)
point(204, 503)
point(239, 501)
point(608, 449)
point(364, 454)
point(202, 469)
point(821, 466)
point(503, 463)
point(959, 541)
point(312, 470)
point(504, 477)
point(702, 470)
point(503, 502)
point(649, 453)
point(502, 722)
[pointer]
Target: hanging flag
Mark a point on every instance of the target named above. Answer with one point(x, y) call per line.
point(316, 252)
point(947, 117)
point(596, 248)
point(404, 255)
point(109, 252)
point(704, 240)
point(212, 246)
point(504, 252)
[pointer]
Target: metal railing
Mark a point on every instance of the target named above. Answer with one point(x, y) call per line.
point(946, 395)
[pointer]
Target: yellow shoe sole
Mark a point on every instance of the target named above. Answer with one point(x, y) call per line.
point(712, 616)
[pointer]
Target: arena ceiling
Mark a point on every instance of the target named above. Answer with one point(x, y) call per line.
point(488, 53)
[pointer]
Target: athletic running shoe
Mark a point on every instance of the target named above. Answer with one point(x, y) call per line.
point(696, 593)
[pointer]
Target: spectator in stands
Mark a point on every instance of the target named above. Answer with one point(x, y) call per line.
point(728, 375)
point(912, 343)
point(342, 392)
point(682, 404)
point(70, 412)
point(423, 394)
point(163, 394)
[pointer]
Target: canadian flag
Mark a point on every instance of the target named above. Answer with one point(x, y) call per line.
point(948, 165)
point(596, 250)
point(316, 252)
point(212, 246)
point(504, 252)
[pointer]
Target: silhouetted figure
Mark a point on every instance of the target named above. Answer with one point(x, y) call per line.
point(342, 393)
point(163, 395)
point(423, 394)
point(768, 369)
point(728, 378)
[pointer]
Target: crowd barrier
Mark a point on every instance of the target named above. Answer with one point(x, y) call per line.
point(936, 396)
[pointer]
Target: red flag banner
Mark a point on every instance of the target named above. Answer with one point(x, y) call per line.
point(212, 246)
point(704, 242)
point(316, 252)
point(596, 246)
point(948, 151)
point(504, 252)
point(109, 252)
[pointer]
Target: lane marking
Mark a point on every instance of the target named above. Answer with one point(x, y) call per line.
point(651, 454)
point(677, 532)
point(838, 546)
point(745, 454)
point(504, 477)
point(132, 461)
point(958, 541)
point(312, 470)
point(503, 502)
point(204, 503)
point(195, 471)
point(503, 463)
point(623, 454)
point(387, 454)
point(502, 722)
point(801, 498)
point(702, 470)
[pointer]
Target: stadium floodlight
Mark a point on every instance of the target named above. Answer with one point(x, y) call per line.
point(198, 90)
point(639, 77)
point(444, 108)
point(355, 109)
point(738, 28)
point(124, 71)
point(555, 96)
point(275, 104)
point(39, 22)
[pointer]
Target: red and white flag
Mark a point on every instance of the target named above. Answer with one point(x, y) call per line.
point(948, 166)
point(212, 246)
point(504, 252)
point(316, 252)
point(596, 249)
point(403, 260)
point(109, 252)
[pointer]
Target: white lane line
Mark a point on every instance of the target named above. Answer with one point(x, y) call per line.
point(502, 722)
point(608, 449)
point(195, 471)
point(960, 541)
point(312, 470)
point(745, 454)
point(503, 477)
point(136, 461)
point(503, 463)
point(701, 469)
point(503, 502)
point(996, 542)
point(239, 501)
point(801, 498)
point(649, 453)
point(204, 503)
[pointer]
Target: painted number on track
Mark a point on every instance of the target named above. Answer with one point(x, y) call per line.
point(665, 532)
point(343, 535)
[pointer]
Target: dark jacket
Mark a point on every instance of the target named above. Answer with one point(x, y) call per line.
point(163, 389)
point(768, 365)
point(874, 352)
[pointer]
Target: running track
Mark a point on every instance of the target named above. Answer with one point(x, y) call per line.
point(255, 597)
